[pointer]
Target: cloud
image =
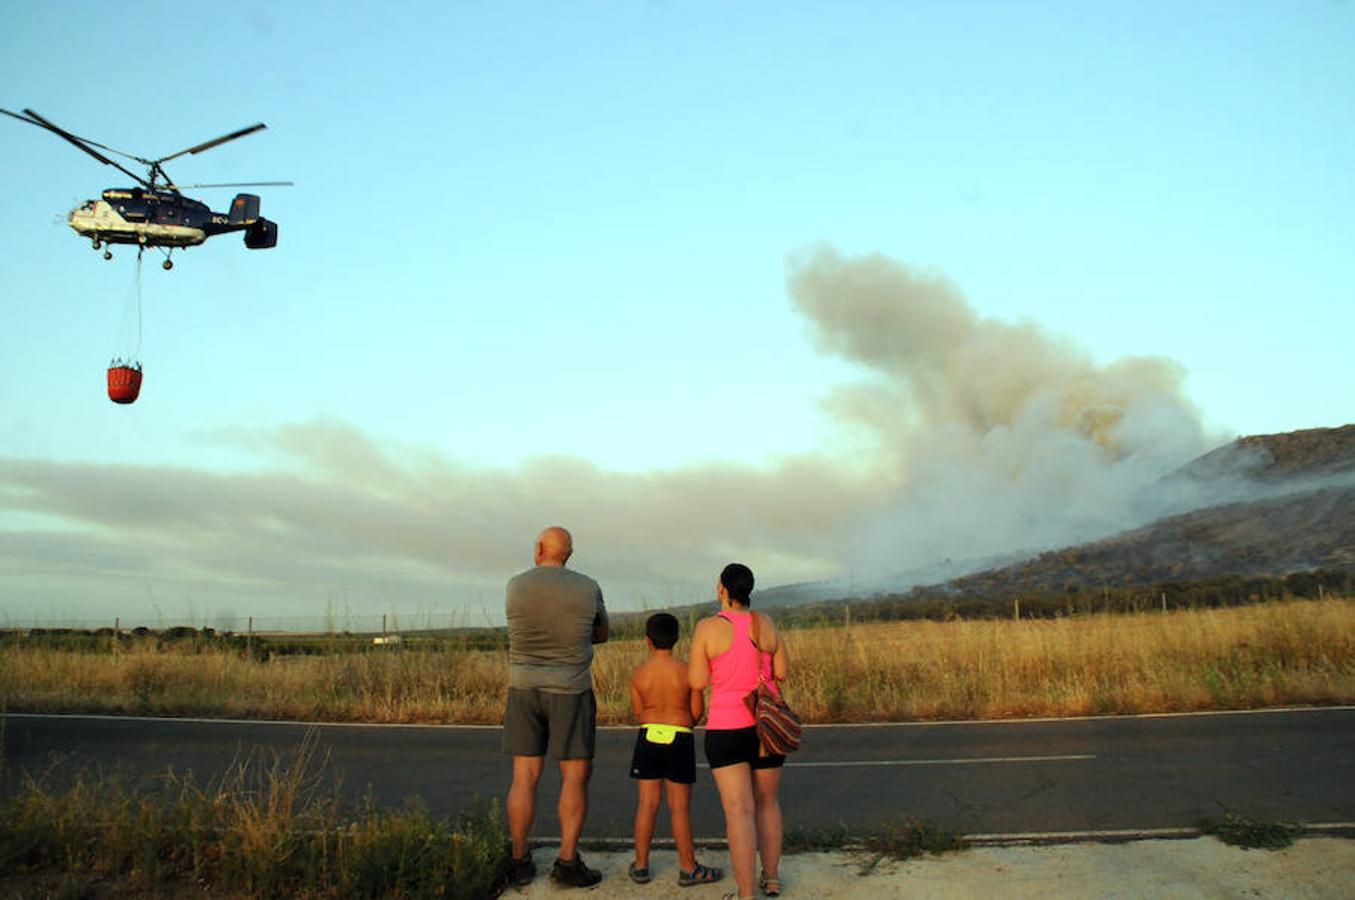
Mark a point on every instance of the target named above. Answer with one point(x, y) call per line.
point(975, 437)
point(332, 508)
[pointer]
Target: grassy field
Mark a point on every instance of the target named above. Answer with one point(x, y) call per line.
point(1290, 652)
point(269, 830)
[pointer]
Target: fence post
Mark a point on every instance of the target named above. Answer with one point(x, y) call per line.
point(383, 624)
point(1016, 609)
point(1164, 601)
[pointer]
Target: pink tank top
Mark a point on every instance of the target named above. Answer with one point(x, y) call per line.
point(733, 674)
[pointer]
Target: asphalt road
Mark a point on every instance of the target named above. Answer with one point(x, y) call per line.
point(1071, 775)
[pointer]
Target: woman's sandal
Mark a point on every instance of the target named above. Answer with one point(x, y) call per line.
point(699, 875)
point(639, 875)
point(770, 886)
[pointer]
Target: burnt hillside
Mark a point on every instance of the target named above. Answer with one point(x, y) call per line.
point(1296, 532)
point(1311, 526)
point(1282, 504)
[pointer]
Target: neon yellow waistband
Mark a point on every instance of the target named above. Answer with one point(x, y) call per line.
point(657, 733)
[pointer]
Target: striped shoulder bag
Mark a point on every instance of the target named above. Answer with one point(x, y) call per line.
point(778, 726)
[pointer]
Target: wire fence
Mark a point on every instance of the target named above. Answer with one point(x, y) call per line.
point(347, 624)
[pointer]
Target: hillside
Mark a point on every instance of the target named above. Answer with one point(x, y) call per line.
point(1312, 453)
point(1272, 505)
point(1296, 532)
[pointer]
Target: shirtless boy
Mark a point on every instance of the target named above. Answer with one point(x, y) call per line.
point(665, 751)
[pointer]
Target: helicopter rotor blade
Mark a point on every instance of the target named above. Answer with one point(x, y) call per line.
point(44, 123)
point(208, 145)
point(233, 184)
point(33, 118)
point(14, 115)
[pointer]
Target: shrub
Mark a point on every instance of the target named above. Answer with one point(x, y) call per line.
point(1249, 833)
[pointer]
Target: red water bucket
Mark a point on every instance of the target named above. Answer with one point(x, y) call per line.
point(124, 383)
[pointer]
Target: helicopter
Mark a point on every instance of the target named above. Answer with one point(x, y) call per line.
point(155, 213)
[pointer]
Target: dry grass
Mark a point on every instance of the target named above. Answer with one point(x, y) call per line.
point(1283, 653)
point(1299, 652)
point(260, 830)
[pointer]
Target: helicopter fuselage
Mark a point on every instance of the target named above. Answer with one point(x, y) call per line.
point(140, 217)
point(165, 219)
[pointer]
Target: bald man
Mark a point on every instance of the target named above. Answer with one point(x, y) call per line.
point(555, 616)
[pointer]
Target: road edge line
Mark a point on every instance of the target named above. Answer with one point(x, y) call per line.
point(996, 839)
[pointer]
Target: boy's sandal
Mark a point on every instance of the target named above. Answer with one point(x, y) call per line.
point(770, 886)
point(638, 874)
point(700, 875)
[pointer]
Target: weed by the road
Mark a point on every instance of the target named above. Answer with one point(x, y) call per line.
point(899, 840)
point(817, 840)
point(261, 830)
point(1249, 833)
point(907, 839)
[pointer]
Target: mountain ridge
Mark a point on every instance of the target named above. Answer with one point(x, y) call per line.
point(1281, 503)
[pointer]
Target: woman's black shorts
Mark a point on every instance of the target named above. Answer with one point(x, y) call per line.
point(728, 747)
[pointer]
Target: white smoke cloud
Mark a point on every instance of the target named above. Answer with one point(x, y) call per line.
point(992, 437)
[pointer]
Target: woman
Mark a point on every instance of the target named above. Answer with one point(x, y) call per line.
point(725, 657)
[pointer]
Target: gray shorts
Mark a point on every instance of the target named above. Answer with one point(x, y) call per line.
point(537, 721)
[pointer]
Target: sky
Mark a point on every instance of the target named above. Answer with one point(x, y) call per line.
point(837, 290)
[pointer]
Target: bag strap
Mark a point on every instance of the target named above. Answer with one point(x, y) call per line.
point(753, 633)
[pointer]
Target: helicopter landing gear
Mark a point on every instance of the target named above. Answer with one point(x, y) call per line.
point(97, 243)
point(108, 254)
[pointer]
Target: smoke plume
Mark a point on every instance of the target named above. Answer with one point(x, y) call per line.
point(990, 437)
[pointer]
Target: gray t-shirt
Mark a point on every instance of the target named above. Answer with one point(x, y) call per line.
point(551, 613)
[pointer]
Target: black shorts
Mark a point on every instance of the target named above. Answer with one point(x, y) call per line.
point(728, 747)
point(538, 721)
point(674, 762)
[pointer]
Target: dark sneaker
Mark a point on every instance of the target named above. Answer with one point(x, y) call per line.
point(521, 871)
point(574, 873)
